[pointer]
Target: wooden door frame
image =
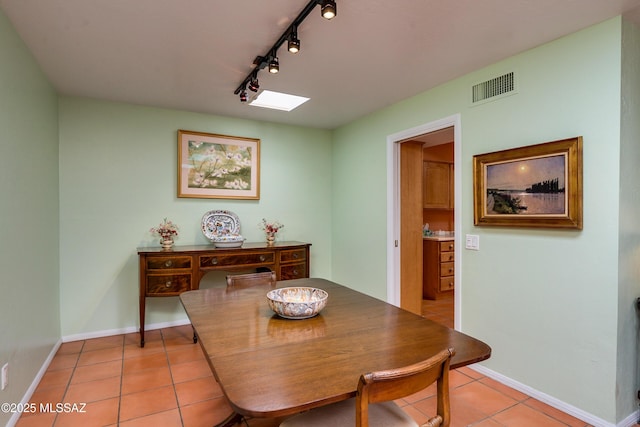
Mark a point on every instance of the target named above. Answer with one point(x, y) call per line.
point(393, 206)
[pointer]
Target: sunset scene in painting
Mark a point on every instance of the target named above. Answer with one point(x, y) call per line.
point(528, 186)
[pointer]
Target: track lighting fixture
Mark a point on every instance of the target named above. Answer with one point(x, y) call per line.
point(274, 66)
point(270, 60)
point(253, 84)
point(328, 9)
point(294, 42)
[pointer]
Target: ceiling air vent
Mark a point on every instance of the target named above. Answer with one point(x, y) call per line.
point(492, 89)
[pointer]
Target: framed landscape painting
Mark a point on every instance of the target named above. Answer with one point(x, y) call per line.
point(533, 186)
point(218, 166)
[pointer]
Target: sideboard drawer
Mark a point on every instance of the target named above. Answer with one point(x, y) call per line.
point(293, 255)
point(168, 263)
point(168, 284)
point(293, 271)
point(245, 259)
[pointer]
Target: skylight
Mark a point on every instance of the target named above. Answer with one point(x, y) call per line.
point(278, 100)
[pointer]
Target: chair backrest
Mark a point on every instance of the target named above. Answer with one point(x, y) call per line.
point(252, 279)
point(392, 384)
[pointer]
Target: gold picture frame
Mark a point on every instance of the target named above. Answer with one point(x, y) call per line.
point(212, 166)
point(534, 186)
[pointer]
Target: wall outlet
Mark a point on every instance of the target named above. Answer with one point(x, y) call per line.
point(5, 376)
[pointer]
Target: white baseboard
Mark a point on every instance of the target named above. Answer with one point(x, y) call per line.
point(128, 330)
point(556, 403)
point(34, 384)
point(631, 420)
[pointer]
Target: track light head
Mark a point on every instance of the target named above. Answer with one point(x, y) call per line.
point(294, 45)
point(253, 84)
point(274, 66)
point(243, 96)
point(294, 42)
point(328, 9)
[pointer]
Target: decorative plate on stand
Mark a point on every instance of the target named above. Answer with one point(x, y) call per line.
point(222, 228)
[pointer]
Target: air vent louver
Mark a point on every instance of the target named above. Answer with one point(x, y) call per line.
point(501, 85)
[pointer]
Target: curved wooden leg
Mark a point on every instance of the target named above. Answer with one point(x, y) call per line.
point(232, 420)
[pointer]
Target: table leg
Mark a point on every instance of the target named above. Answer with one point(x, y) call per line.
point(142, 296)
point(231, 420)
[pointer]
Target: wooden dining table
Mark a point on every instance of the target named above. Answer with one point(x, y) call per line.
point(271, 367)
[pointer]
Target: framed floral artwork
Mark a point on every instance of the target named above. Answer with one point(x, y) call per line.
point(214, 166)
point(533, 186)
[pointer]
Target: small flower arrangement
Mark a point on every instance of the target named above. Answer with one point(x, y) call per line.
point(270, 227)
point(166, 230)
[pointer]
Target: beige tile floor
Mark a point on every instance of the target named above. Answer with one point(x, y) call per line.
point(169, 384)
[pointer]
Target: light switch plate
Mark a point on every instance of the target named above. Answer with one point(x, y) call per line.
point(472, 241)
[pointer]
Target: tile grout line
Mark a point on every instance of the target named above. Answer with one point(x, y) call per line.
point(73, 372)
point(490, 417)
point(516, 403)
point(541, 411)
point(173, 383)
point(121, 382)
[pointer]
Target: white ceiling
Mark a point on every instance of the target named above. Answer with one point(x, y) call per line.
point(192, 54)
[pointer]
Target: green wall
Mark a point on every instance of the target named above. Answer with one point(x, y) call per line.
point(628, 376)
point(118, 166)
point(29, 289)
point(546, 301)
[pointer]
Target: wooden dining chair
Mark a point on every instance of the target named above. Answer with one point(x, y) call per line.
point(373, 405)
point(251, 279)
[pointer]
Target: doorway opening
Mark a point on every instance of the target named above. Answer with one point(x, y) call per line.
point(406, 213)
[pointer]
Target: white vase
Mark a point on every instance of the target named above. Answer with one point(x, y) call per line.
point(166, 243)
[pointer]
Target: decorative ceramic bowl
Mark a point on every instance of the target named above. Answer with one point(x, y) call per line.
point(230, 241)
point(297, 302)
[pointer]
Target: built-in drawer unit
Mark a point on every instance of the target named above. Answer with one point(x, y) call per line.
point(438, 268)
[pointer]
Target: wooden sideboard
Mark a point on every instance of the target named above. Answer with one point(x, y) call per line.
point(169, 272)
